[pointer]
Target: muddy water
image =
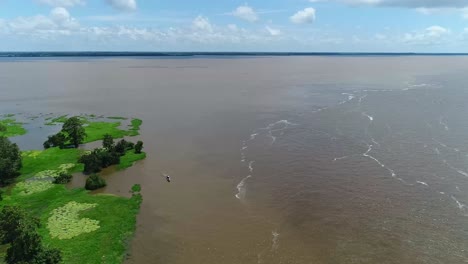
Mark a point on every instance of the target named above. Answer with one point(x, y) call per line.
point(279, 160)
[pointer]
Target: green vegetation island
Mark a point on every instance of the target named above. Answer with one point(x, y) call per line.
point(43, 221)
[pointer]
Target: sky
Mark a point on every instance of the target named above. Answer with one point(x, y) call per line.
point(230, 25)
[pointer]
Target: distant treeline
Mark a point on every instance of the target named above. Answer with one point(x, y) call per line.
point(193, 54)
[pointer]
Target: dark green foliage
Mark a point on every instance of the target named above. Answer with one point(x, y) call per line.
point(63, 178)
point(122, 146)
point(10, 161)
point(136, 188)
point(98, 159)
point(108, 142)
point(10, 220)
point(19, 229)
point(3, 128)
point(138, 147)
point(95, 182)
point(48, 256)
point(74, 130)
point(57, 140)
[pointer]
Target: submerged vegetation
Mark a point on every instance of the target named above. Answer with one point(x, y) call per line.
point(84, 228)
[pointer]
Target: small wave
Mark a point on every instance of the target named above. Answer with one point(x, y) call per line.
point(442, 193)
point(437, 151)
point(244, 148)
point(458, 188)
point(423, 183)
point(241, 188)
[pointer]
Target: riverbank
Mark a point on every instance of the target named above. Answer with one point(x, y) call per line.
point(85, 228)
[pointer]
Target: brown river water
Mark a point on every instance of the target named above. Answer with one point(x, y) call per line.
point(292, 160)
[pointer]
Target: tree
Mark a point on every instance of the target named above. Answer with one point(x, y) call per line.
point(75, 131)
point(3, 128)
point(20, 230)
point(91, 161)
point(138, 147)
point(63, 178)
point(108, 142)
point(10, 161)
point(10, 220)
point(57, 140)
point(95, 182)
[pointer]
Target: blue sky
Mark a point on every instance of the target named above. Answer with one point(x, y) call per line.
point(228, 25)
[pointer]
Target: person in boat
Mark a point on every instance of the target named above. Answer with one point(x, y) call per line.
point(168, 178)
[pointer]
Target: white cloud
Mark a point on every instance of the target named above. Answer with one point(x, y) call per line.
point(202, 23)
point(233, 27)
point(430, 36)
point(304, 16)
point(245, 12)
point(123, 5)
point(410, 3)
point(272, 31)
point(64, 3)
point(465, 13)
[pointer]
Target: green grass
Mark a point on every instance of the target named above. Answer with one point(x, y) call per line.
point(130, 157)
point(9, 115)
point(12, 128)
point(117, 117)
point(97, 130)
point(85, 228)
point(116, 217)
point(35, 161)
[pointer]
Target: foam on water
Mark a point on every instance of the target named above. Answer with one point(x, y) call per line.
point(250, 165)
point(464, 173)
point(460, 205)
point(340, 158)
point(371, 118)
point(423, 183)
point(241, 188)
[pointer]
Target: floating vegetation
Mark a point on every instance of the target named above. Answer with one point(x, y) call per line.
point(33, 186)
point(66, 224)
point(63, 168)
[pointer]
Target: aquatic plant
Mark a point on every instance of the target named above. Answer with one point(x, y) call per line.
point(33, 186)
point(64, 223)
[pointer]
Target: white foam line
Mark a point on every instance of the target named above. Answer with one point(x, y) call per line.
point(437, 151)
point(464, 173)
point(250, 165)
point(460, 205)
point(371, 118)
point(241, 188)
point(445, 146)
point(274, 241)
point(252, 136)
point(423, 183)
point(340, 158)
point(392, 172)
point(244, 148)
point(442, 193)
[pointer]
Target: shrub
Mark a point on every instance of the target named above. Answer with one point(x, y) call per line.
point(3, 128)
point(138, 147)
point(57, 140)
point(10, 161)
point(63, 178)
point(108, 142)
point(95, 182)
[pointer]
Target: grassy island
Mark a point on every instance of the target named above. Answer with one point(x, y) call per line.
point(82, 227)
